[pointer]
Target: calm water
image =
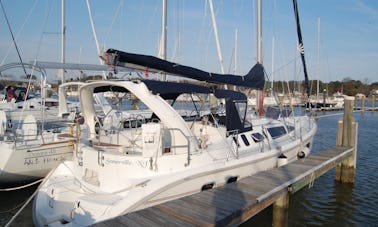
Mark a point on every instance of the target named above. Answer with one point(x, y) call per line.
point(327, 203)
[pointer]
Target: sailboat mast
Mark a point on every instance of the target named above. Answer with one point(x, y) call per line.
point(63, 53)
point(272, 78)
point(260, 93)
point(216, 35)
point(259, 31)
point(236, 52)
point(300, 41)
point(164, 35)
point(317, 81)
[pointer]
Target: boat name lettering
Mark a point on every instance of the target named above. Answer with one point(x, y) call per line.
point(50, 156)
point(40, 154)
point(140, 163)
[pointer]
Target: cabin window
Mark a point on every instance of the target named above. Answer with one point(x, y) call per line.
point(245, 140)
point(276, 132)
point(257, 137)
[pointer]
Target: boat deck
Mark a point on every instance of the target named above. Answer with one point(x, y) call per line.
point(236, 202)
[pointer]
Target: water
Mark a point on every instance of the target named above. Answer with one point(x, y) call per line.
point(330, 203)
point(327, 203)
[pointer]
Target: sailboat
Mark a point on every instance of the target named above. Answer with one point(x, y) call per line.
point(33, 138)
point(118, 169)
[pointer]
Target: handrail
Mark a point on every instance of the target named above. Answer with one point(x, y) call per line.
point(181, 146)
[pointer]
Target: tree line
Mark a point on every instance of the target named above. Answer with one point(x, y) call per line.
point(348, 87)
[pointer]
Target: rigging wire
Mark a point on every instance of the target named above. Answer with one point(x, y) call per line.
point(14, 41)
point(119, 8)
point(19, 32)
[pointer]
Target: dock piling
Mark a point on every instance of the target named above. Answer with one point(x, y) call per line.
point(347, 137)
point(281, 211)
point(373, 103)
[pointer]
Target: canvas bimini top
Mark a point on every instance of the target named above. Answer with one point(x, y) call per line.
point(235, 101)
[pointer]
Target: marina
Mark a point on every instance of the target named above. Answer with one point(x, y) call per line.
point(147, 139)
point(354, 201)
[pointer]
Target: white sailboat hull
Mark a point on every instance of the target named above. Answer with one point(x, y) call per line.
point(86, 193)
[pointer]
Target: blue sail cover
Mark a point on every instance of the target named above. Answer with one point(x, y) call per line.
point(254, 79)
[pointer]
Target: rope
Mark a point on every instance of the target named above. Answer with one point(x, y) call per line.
point(22, 208)
point(20, 187)
point(335, 114)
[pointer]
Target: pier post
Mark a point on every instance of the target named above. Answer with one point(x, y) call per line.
point(347, 136)
point(281, 100)
point(362, 103)
point(372, 102)
point(281, 211)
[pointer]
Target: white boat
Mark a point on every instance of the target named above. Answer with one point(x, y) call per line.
point(25, 103)
point(30, 149)
point(117, 169)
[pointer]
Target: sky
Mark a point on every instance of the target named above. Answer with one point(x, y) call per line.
point(340, 36)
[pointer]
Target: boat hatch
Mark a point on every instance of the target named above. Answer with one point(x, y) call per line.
point(257, 137)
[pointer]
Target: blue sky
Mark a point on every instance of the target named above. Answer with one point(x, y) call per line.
point(348, 34)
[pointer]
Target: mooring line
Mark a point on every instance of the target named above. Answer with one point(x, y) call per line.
point(20, 187)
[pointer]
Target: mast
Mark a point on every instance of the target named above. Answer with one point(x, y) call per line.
point(63, 54)
point(260, 93)
point(95, 37)
point(272, 79)
point(164, 35)
point(259, 31)
point(216, 35)
point(235, 52)
point(317, 81)
point(300, 41)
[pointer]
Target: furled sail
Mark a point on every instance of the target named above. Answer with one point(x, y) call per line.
point(254, 79)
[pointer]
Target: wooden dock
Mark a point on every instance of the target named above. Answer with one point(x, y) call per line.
point(236, 202)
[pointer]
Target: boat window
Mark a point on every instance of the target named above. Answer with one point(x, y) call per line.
point(241, 107)
point(245, 140)
point(276, 132)
point(50, 104)
point(257, 137)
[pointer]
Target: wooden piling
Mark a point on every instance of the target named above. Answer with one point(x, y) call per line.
point(362, 103)
point(281, 100)
point(372, 102)
point(347, 137)
point(281, 211)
